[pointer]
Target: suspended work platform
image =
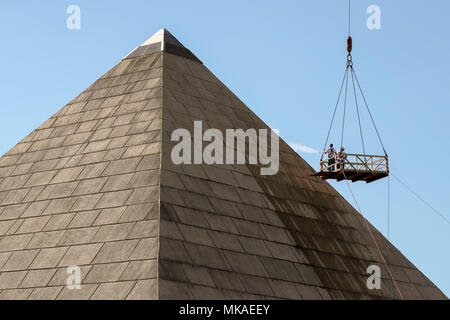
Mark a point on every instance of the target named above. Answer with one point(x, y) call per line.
point(354, 167)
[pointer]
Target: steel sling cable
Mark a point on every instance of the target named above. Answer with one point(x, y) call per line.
point(357, 111)
point(373, 238)
point(345, 106)
point(334, 113)
point(370, 113)
point(345, 78)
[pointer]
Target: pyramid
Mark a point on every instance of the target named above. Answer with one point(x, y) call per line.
point(93, 189)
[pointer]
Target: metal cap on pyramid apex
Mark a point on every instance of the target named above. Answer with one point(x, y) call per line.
point(162, 36)
point(162, 41)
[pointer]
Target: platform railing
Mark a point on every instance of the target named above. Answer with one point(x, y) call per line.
point(356, 162)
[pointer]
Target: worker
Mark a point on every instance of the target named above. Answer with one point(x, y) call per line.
point(331, 152)
point(341, 157)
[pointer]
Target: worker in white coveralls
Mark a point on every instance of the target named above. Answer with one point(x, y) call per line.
point(331, 152)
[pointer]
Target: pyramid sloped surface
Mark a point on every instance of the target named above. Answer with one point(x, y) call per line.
point(228, 232)
point(95, 187)
point(82, 190)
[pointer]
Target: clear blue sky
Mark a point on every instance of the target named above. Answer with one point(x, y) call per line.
point(285, 60)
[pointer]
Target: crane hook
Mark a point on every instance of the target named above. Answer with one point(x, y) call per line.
point(349, 50)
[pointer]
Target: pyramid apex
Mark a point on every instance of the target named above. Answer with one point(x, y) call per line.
point(162, 36)
point(162, 41)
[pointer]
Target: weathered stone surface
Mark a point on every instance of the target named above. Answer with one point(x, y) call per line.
point(95, 187)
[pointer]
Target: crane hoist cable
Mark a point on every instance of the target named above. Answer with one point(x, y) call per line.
point(354, 77)
point(340, 173)
point(358, 166)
